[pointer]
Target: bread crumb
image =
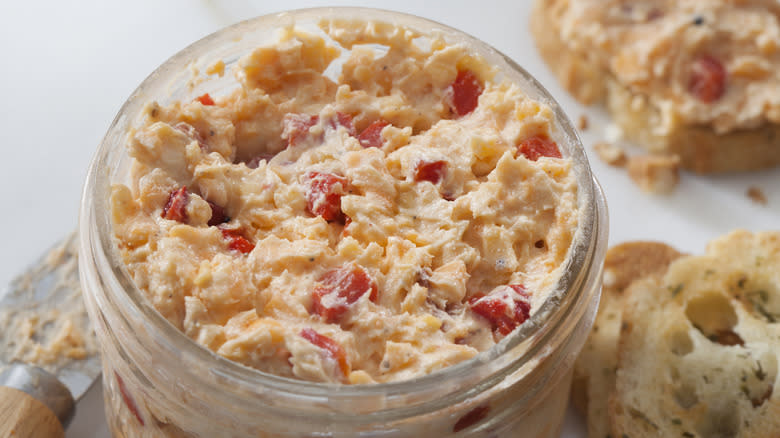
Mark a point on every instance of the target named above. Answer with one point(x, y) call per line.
point(613, 133)
point(582, 122)
point(655, 173)
point(756, 195)
point(610, 153)
point(609, 279)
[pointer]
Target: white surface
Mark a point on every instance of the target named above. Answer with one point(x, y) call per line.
point(68, 66)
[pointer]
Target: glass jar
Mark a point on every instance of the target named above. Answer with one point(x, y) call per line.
point(158, 382)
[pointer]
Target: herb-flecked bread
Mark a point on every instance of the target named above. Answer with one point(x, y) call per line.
point(594, 371)
point(698, 349)
point(689, 78)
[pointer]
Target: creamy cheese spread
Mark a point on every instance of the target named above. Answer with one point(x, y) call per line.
point(369, 205)
point(699, 62)
point(43, 318)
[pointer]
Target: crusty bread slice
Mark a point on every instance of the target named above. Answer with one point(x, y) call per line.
point(699, 345)
point(700, 149)
point(594, 371)
point(582, 77)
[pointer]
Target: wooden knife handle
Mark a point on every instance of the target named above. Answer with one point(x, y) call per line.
point(22, 416)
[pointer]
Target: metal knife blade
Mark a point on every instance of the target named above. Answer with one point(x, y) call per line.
point(45, 323)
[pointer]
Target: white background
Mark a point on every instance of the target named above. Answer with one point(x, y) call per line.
point(67, 67)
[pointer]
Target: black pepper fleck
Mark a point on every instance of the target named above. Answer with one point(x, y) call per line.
point(698, 20)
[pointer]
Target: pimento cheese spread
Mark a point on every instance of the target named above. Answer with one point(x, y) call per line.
point(699, 62)
point(370, 205)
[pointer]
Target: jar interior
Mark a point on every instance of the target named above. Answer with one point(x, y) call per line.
point(174, 81)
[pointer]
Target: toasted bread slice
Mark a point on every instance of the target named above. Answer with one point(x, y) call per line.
point(585, 71)
point(698, 147)
point(581, 76)
point(699, 345)
point(594, 371)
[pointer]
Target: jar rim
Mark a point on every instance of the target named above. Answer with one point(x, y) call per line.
point(582, 262)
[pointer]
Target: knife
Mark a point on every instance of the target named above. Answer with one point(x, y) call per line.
point(48, 352)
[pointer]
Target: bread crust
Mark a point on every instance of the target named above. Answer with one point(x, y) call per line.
point(699, 147)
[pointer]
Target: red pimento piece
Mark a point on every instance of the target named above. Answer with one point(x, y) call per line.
point(236, 240)
point(344, 120)
point(175, 208)
point(128, 399)
point(432, 171)
point(539, 146)
point(296, 127)
point(339, 288)
point(323, 195)
point(471, 418)
point(218, 215)
point(371, 137)
point(205, 99)
point(506, 307)
point(465, 92)
point(708, 79)
point(655, 14)
point(332, 349)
